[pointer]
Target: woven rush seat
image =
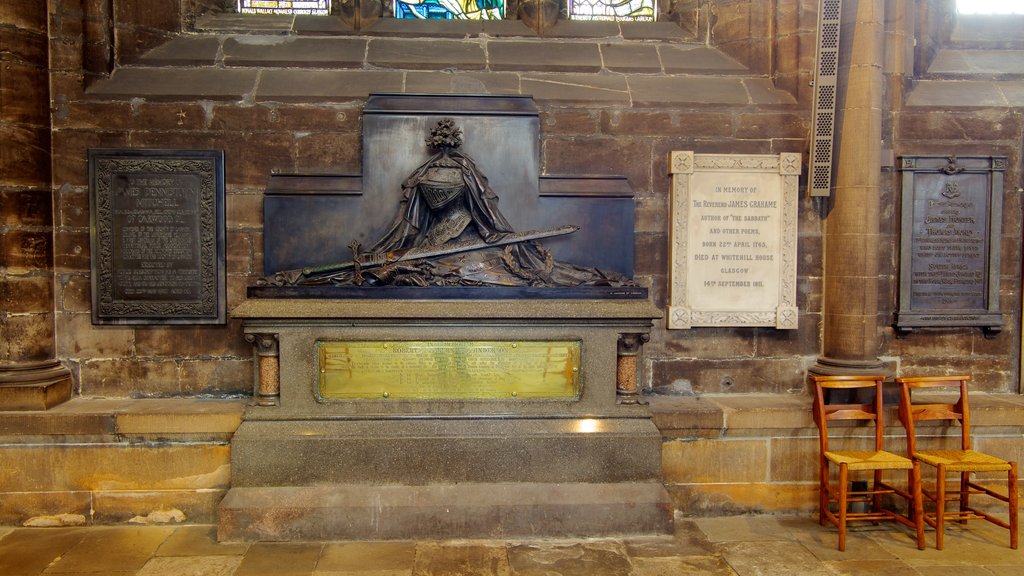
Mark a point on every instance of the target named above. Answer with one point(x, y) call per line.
point(870, 460)
point(963, 460)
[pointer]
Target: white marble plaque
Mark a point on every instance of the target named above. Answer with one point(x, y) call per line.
point(734, 230)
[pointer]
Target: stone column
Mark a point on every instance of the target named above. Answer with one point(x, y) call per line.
point(851, 339)
point(30, 376)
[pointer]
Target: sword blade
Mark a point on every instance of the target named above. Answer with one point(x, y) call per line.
point(408, 254)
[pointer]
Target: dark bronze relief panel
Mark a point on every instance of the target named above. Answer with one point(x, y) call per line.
point(949, 249)
point(158, 236)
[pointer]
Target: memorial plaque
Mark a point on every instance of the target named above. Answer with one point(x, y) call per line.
point(448, 369)
point(157, 235)
point(949, 248)
point(734, 230)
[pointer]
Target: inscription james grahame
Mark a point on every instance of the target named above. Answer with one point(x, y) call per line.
point(949, 252)
point(734, 240)
point(735, 237)
point(158, 236)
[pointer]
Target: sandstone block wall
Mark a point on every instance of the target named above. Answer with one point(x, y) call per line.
point(604, 109)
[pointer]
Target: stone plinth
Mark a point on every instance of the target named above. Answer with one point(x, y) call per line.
point(444, 511)
point(305, 467)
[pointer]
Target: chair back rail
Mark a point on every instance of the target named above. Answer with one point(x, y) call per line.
point(959, 411)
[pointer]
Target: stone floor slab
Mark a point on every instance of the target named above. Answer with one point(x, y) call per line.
point(280, 559)
point(869, 568)
point(438, 559)
point(199, 541)
point(395, 572)
point(688, 540)
point(682, 566)
point(111, 549)
point(600, 558)
point(360, 557)
point(191, 566)
point(29, 551)
point(861, 541)
point(766, 558)
point(738, 546)
point(742, 529)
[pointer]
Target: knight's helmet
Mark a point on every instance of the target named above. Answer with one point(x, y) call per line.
point(442, 182)
point(443, 185)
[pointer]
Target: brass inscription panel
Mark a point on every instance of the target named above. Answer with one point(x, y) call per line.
point(448, 369)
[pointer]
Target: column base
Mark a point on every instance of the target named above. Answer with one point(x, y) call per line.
point(34, 385)
point(825, 366)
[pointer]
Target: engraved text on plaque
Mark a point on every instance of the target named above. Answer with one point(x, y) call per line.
point(448, 369)
point(157, 236)
point(950, 244)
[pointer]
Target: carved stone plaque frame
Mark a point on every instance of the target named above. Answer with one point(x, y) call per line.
point(733, 240)
point(951, 232)
point(157, 232)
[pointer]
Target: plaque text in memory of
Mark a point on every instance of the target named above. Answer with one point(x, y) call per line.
point(950, 245)
point(157, 236)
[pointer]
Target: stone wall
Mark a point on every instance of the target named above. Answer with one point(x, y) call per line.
point(26, 250)
point(758, 453)
point(739, 441)
point(588, 124)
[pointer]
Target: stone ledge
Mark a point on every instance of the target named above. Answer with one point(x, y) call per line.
point(161, 417)
point(713, 416)
point(333, 26)
point(967, 94)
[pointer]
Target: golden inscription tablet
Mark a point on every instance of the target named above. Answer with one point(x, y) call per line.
point(448, 369)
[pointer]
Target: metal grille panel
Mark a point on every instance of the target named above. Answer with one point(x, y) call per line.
point(823, 119)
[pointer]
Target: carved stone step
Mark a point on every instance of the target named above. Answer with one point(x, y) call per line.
point(500, 510)
point(444, 450)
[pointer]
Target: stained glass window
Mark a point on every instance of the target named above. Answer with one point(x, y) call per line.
point(315, 7)
point(450, 9)
point(640, 10)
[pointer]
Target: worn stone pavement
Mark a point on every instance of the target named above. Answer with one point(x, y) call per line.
point(733, 546)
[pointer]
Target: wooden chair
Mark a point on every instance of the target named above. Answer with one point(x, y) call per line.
point(965, 460)
point(875, 461)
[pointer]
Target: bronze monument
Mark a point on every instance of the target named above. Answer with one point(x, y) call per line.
point(449, 232)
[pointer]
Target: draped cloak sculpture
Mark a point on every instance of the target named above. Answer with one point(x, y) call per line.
point(448, 231)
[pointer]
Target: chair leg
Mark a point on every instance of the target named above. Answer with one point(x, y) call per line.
point(843, 488)
point(1012, 494)
point(876, 498)
point(965, 493)
point(917, 507)
point(940, 504)
point(823, 491)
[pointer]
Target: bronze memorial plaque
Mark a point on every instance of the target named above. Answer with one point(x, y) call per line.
point(448, 369)
point(949, 252)
point(157, 235)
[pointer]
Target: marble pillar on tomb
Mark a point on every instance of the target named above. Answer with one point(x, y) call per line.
point(30, 376)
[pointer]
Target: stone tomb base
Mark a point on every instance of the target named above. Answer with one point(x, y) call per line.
point(390, 467)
